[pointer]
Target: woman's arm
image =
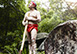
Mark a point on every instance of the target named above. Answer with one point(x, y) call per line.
point(24, 20)
point(38, 16)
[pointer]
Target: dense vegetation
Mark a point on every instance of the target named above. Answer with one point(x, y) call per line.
point(11, 16)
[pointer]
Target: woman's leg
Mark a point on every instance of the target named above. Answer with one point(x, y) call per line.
point(33, 38)
point(30, 43)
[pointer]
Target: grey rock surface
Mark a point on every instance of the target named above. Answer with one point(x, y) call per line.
point(62, 39)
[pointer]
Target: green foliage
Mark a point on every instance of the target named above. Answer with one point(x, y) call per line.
point(11, 49)
point(24, 51)
point(43, 52)
point(48, 24)
point(11, 16)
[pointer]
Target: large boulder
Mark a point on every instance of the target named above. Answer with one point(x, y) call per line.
point(62, 39)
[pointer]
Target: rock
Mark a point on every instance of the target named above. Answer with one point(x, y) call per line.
point(41, 47)
point(62, 39)
point(41, 35)
point(40, 38)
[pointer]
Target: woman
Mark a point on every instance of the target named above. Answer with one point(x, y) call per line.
point(33, 17)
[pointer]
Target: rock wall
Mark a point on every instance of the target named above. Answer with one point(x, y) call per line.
point(62, 39)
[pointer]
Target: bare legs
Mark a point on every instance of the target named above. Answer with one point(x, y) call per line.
point(29, 42)
point(32, 41)
point(33, 38)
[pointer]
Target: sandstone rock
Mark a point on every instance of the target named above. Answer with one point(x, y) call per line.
point(62, 39)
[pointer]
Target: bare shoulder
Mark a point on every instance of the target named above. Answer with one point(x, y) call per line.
point(27, 13)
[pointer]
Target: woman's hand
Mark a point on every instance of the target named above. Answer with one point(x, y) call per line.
point(24, 23)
